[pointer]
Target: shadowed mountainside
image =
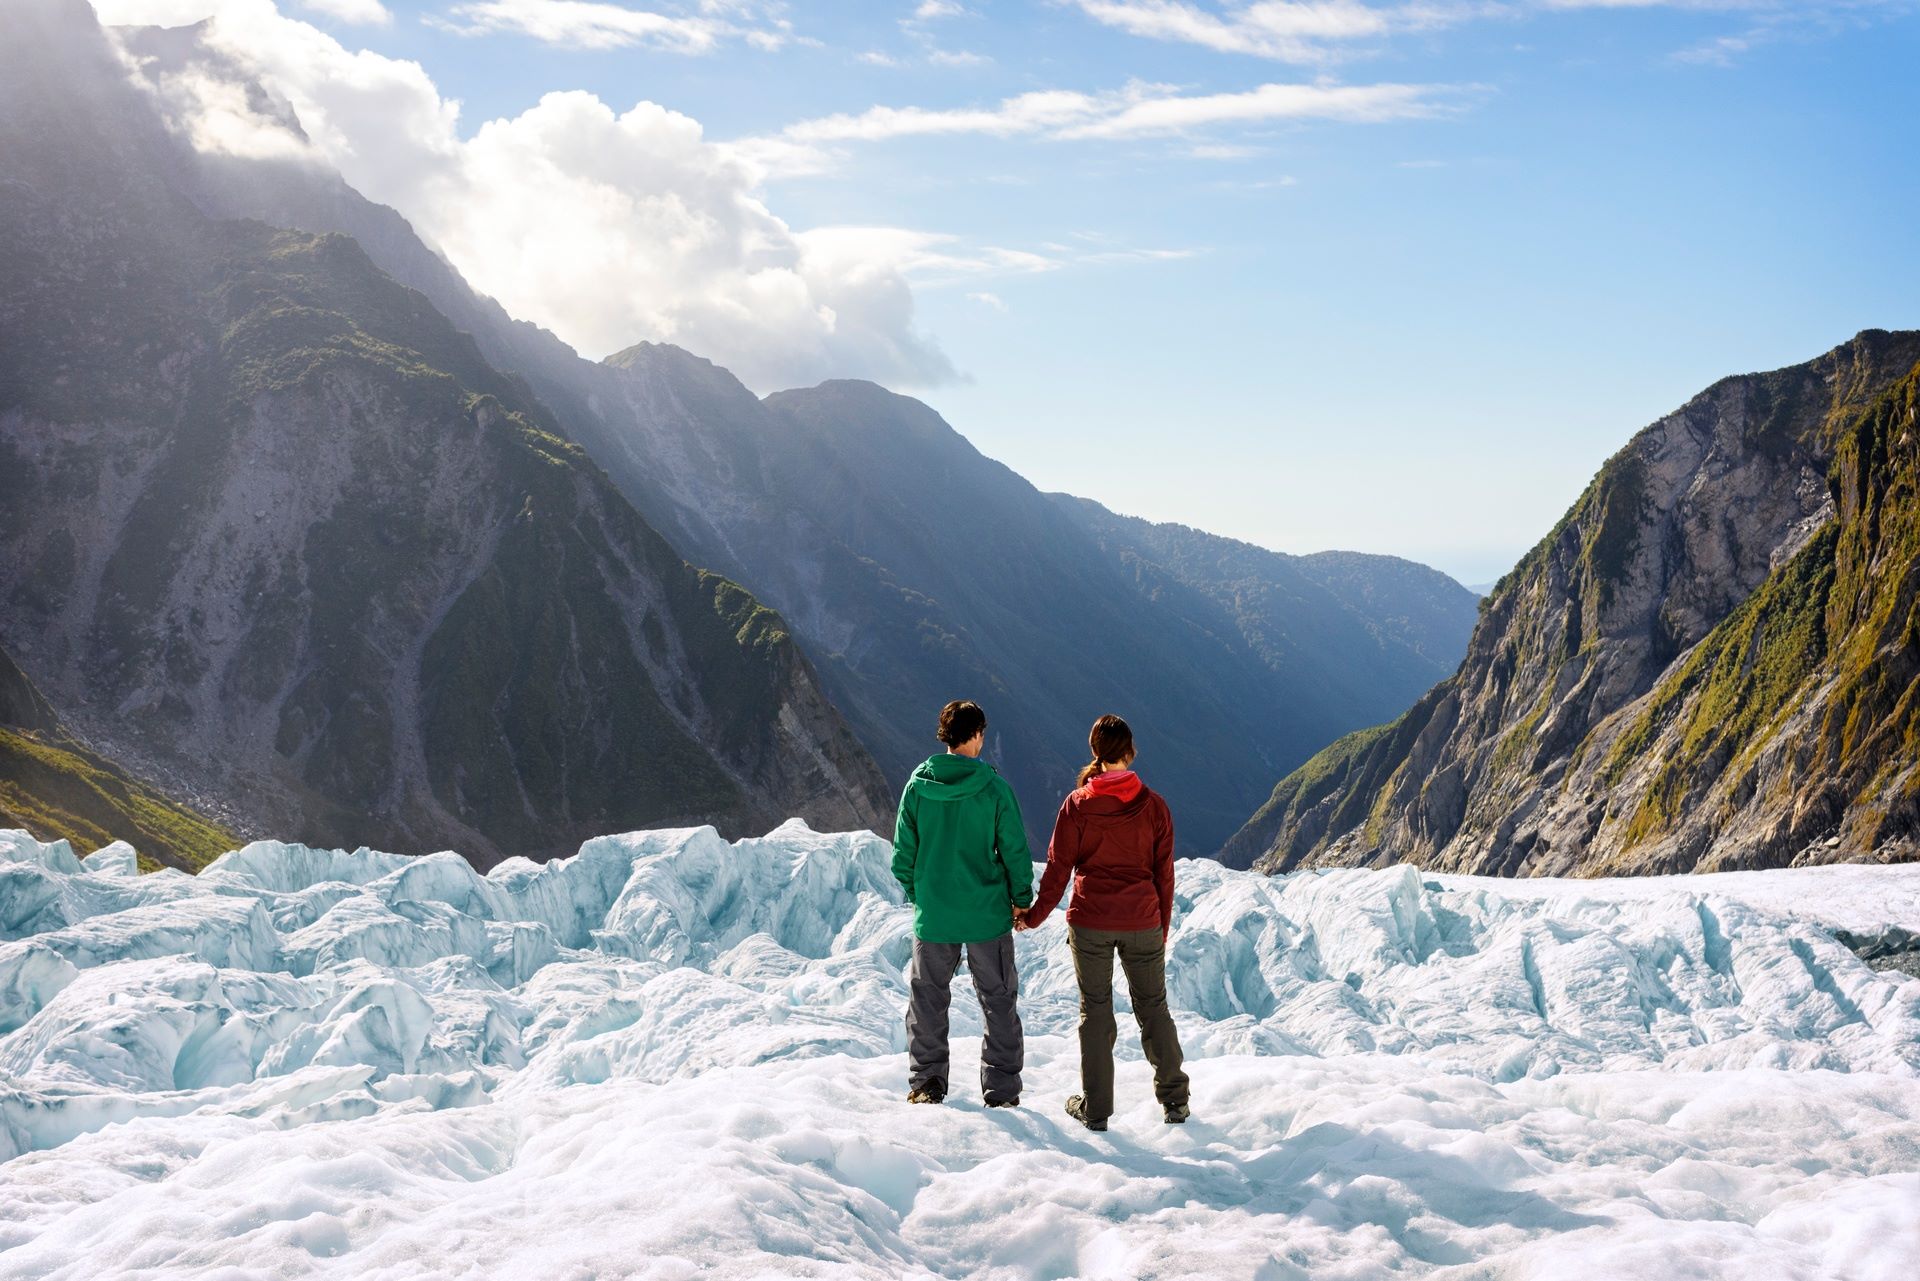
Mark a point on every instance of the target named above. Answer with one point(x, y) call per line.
point(276, 528)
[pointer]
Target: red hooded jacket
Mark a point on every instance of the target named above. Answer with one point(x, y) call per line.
point(1114, 837)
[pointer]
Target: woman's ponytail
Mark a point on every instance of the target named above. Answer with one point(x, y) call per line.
point(1111, 741)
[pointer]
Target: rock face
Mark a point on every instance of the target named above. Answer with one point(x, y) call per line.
point(1708, 663)
point(275, 529)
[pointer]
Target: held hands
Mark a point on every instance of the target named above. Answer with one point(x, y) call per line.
point(1020, 918)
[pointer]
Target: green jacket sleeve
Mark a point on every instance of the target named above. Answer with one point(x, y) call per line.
point(1010, 843)
point(906, 843)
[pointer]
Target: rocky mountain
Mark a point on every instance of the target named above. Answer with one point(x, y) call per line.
point(274, 527)
point(1346, 627)
point(914, 566)
point(913, 569)
point(1708, 663)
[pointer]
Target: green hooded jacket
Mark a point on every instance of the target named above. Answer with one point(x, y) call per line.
point(960, 851)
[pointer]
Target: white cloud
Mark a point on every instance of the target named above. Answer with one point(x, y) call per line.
point(931, 11)
point(1315, 31)
point(363, 12)
point(986, 299)
point(957, 58)
point(598, 24)
point(927, 256)
point(1356, 104)
point(937, 260)
point(1278, 29)
point(1025, 113)
point(1137, 110)
point(1223, 151)
point(606, 226)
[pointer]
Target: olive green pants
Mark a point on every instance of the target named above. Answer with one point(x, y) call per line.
point(1143, 958)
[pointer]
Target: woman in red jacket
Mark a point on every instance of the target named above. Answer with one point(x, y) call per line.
point(1114, 838)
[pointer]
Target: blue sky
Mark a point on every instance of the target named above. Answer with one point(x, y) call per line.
point(1407, 302)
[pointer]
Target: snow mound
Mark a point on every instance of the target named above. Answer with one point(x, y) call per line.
point(687, 1053)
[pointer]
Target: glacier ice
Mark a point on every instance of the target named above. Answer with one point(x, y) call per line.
point(671, 1055)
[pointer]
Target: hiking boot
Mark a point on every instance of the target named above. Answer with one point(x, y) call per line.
point(929, 1092)
point(1003, 1103)
point(1177, 1113)
point(1077, 1109)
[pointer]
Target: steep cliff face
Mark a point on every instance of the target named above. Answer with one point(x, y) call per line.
point(274, 527)
point(1550, 750)
point(1791, 734)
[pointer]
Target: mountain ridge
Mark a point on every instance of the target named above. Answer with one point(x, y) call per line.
point(1699, 527)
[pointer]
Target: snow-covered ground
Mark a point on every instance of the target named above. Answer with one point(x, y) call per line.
point(674, 1057)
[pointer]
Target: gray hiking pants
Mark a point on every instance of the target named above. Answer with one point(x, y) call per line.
point(929, 992)
point(1143, 957)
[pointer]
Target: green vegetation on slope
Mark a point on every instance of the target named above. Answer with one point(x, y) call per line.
point(1735, 685)
point(1836, 628)
point(56, 789)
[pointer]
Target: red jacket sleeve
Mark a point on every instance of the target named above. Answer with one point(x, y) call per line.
point(1063, 853)
point(1163, 865)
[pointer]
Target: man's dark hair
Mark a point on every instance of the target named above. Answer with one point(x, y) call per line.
point(960, 720)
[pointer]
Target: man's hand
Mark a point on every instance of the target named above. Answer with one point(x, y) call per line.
point(1020, 918)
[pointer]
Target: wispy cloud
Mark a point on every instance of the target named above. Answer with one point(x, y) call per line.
point(1773, 24)
point(1279, 29)
point(918, 25)
point(986, 299)
point(1223, 151)
point(936, 259)
point(928, 257)
point(957, 58)
point(1319, 31)
point(1040, 111)
point(1137, 110)
point(1354, 104)
point(598, 24)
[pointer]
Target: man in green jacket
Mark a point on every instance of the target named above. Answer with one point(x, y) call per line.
point(960, 853)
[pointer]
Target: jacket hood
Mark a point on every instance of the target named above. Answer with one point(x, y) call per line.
point(1120, 784)
point(1119, 797)
point(953, 777)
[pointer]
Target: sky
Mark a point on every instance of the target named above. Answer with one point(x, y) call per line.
point(1389, 277)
